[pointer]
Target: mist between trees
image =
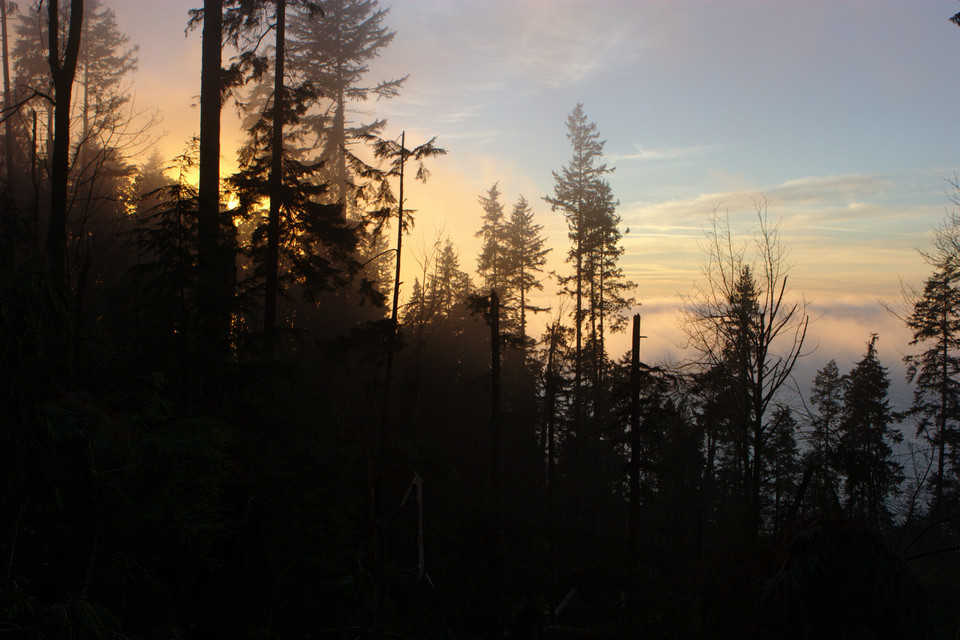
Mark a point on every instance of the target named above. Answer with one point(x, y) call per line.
point(226, 414)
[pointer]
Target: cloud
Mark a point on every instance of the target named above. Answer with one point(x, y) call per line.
point(816, 189)
point(667, 153)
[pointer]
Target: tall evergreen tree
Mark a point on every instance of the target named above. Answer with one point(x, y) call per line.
point(239, 24)
point(872, 474)
point(209, 251)
point(608, 290)
point(782, 467)
point(525, 257)
point(574, 188)
point(311, 243)
point(934, 321)
point(334, 52)
point(823, 438)
point(491, 261)
point(275, 179)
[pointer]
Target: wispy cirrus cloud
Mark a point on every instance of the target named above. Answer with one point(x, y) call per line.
point(666, 153)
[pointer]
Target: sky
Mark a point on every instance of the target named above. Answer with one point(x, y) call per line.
point(844, 116)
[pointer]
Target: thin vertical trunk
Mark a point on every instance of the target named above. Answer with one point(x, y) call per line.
point(375, 443)
point(84, 126)
point(635, 445)
point(8, 132)
point(276, 181)
point(391, 338)
point(600, 346)
point(208, 214)
point(942, 427)
point(551, 488)
point(35, 183)
point(340, 162)
point(494, 394)
point(338, 139)
point(523, 315)
point(63, 73)
point(583, 443)
point(495, 442)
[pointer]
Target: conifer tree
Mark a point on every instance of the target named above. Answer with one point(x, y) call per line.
point(239, 24)
point(334, 52)
point(606, 284)
point(934, 321)
point(574, 187)
point(783, 466)
point(446, 286)
point(823, 438)
point(209, 251)
point(491, 261)
point(525, 258)
point(872, 474)
point(314, 245)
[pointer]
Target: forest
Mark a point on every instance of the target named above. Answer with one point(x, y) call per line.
point(226, 414)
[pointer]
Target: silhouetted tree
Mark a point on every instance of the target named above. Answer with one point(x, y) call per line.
point(934, 321)
point(741, 325)
point(63, 68)
point(396, 156)
point(608, 290)
point(106, 129)
point(871, 473)
point(783, 467)
point(445, 287)
point(334, 52)
point(7, 97)
point(574, 188)
point(491, 263)
point(823, 440)
point(209, 252)
point(525, 258)
point(234, 23)
point(577, 192)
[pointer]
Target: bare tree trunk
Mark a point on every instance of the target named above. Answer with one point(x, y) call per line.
point(635, 445)
point(211, 301)
point(375, 443)
point(276, 180)
point(35, 183)
point(551, 481)
point(942, 427)
point(63, 73)
point(8, 132)
point(494, 393)
point(495, 443)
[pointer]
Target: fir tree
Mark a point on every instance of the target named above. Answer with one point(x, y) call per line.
point(334, 51)
point(525, 257)
point(934, 321)
point(823, 438)
point(872, 475)
point(491, 261)
point(782, 466)
point(574, 186)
